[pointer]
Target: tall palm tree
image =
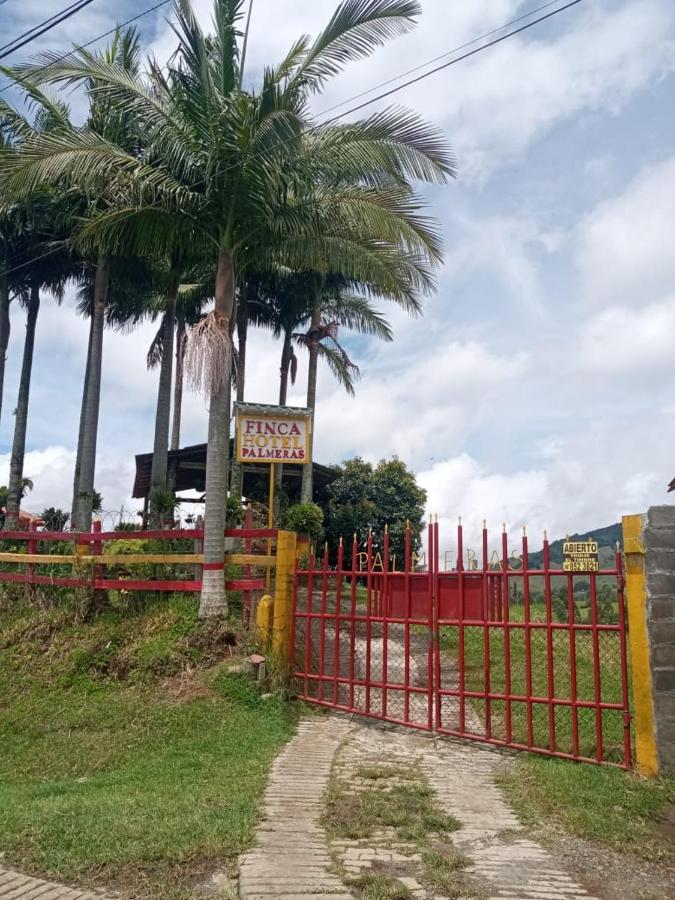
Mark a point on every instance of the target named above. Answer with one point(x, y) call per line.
point(46, 265)
point(333, 198)
point(111, 124)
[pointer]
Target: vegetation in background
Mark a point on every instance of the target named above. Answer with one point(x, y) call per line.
point(366, 496)
point(305, 518)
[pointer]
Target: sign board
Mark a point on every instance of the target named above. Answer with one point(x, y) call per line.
point(273, 434)
point(580, 556)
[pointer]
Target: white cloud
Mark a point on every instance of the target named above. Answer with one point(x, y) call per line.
point(625, 245)
point(495, 104)
point(632, 341)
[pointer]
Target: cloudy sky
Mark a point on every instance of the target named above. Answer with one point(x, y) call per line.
point(539, 387)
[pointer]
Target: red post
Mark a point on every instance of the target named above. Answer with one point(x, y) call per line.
point(434, 646)
point(338, 610)
point(504, 616)
point(369, 590)
point(406, 627)
point(621, 609)
point(309, 621)
point(549, 645)
point(352, 616)
point(573, 665)
point(383, 613)
point(248, 545)
point(462, 616)
point(486, 635)
point(96, 550)
point(597, 689)
point(322, 620)
point(32, 549)
point(528, 640)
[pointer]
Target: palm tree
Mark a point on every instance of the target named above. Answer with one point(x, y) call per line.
point(45, 265)
point(113, 126)
point(334, 198)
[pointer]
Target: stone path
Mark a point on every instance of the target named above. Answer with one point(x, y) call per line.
point(20, 887)
point(293, 859)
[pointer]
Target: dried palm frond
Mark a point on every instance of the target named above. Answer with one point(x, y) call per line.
point(208, 354)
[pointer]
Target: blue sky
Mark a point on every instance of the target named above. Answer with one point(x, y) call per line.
point(539, 386)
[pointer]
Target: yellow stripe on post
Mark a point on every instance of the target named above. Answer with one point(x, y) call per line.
point(283, 597)
point(646, 755)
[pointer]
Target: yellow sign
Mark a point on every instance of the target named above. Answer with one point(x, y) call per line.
point(580, 556)
point(273, 434)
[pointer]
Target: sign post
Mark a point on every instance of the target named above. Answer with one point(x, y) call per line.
point(272, 435)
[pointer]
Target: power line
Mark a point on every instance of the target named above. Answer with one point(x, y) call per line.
point(452, 62)
point(481, 37)
point(381, 96)
point(43, 27)
point(99, 37)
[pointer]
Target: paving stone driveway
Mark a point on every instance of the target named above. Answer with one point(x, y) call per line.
point(292, 860)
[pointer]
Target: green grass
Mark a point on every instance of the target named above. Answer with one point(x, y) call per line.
point(111, 773)
point(610, 679)
point(596, 803)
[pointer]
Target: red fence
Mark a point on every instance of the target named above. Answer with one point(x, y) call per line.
point(503, 653)
point(97, 560)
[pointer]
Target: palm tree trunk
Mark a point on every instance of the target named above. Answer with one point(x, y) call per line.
point(4, 326)
point(80, 435)
point(237, 473)
point(160, 451)
point(178, 384)
point(85, 491)
point(21, 421)
point(286, 355)
point(213, 601)
point(307, 491)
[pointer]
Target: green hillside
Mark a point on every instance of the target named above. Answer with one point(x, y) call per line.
point(606, 537)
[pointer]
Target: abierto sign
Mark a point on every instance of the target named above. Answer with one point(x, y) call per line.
point(273, 434)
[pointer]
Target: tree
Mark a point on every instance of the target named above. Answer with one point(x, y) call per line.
point(366, 497)
point(45, 219)
point(325, 199)
point(28, 171)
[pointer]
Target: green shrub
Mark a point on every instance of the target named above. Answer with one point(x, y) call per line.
point(305, 518)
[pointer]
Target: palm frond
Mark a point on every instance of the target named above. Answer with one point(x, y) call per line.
point(355, 30)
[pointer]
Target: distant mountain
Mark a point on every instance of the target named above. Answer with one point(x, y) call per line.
point(606, 537)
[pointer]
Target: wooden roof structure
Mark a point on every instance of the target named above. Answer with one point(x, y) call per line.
point(187, 467)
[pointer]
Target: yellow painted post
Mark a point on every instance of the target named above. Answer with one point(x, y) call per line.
point(263, 620)
point(283, 596)
point(646, 756)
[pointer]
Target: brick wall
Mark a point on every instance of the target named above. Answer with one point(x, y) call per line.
point(659, 545)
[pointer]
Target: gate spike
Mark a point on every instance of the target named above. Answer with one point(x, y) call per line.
point(460, 520)
point(484, 524)
point(386, 529)
point(524, 531)
point(340, 540)
point(545, 534)
point(503, 526)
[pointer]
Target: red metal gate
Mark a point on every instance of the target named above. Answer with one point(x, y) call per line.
point(494, 648)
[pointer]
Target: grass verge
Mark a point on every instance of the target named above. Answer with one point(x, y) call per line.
point(115, 767)
point(596, 803)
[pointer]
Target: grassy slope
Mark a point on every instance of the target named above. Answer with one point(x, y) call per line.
point(602, 804)
point(105, 774)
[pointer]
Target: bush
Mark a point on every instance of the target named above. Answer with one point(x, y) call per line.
point(54, 519)
point(305, 518)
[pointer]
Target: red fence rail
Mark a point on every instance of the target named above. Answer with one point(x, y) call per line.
point(502, 652)
point(94, 555)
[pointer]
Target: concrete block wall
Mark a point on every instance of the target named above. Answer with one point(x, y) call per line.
point(659, 547)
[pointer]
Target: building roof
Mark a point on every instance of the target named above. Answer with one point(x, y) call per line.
point(188, 466)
